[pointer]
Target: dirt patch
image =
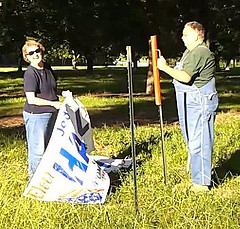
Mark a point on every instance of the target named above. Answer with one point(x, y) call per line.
point(11, 121)
point(17, 121)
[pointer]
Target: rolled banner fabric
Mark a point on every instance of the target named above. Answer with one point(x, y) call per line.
point(67, 172)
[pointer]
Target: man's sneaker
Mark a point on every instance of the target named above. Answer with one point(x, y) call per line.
point(183, 186)
point(199, 188)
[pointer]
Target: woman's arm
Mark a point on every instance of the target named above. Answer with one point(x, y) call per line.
point(32, 99)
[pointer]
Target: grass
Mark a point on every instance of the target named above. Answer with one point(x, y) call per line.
point(160, 206)
point(106, 93)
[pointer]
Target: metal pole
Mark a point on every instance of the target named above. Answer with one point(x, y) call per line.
point(162, 145)
point(131, 114)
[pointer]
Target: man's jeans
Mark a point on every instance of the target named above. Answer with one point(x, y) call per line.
point(38, 131)
point(196, 111)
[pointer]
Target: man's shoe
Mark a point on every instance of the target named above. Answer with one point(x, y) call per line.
point(199, 188)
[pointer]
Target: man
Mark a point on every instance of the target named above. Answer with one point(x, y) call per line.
point(197, 101)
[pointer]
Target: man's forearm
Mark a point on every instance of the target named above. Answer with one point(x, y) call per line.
point(177, 74)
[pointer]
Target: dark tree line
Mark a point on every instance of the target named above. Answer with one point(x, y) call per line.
point(89, 27)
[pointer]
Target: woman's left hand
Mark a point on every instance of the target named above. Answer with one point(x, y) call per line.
point(67, 94)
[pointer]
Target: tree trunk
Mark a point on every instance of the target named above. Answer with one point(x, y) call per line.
point(20, 63)
point(228, 63)
point(74, 60)
point(150, 83)
point(134, 59)
point(89, 58)
point(74, 63)
point(150, 79)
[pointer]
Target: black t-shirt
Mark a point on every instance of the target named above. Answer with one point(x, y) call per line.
point(43, 83)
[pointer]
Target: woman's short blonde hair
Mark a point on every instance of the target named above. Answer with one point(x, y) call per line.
point(198, 28)
point(30, 43)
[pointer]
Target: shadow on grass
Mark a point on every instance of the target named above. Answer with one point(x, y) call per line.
point(11, 75)
point(143, 154)
point(227, 170)
point(145, 113)
point(142, 150)
point(228, 88)
point(115, 81)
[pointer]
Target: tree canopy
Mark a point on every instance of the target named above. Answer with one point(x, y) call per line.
point(92, 26)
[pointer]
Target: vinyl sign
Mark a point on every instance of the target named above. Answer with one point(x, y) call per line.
point(67, 172)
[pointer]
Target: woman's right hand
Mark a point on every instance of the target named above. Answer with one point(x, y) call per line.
point(56, 104)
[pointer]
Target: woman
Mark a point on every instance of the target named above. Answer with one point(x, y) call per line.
point(40, 109)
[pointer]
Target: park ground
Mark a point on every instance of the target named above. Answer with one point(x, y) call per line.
point(105, 95)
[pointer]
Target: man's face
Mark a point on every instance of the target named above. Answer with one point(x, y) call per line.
point(189, 36)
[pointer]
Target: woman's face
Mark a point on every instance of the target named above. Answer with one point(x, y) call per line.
point(34, 54)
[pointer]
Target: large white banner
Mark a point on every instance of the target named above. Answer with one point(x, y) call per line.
point(67, 172)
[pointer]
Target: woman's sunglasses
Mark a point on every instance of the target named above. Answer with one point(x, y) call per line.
point(38, 50)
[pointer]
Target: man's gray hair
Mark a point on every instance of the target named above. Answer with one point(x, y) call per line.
point(198, 28)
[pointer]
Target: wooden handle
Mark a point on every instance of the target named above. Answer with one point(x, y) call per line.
point(157, 88)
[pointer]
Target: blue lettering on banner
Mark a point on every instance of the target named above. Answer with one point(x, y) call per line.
point(63, 123)
point(90, 197)
point(59, 169)
point(72, 161)
point(81, 148)
point(86, 198)
point(61, 131)
point(102, 164)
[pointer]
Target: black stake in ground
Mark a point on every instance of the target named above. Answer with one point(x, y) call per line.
point(131, 114)
point(158, 98)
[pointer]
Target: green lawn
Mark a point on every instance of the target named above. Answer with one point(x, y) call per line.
point(105, 94)
point(160, 205)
